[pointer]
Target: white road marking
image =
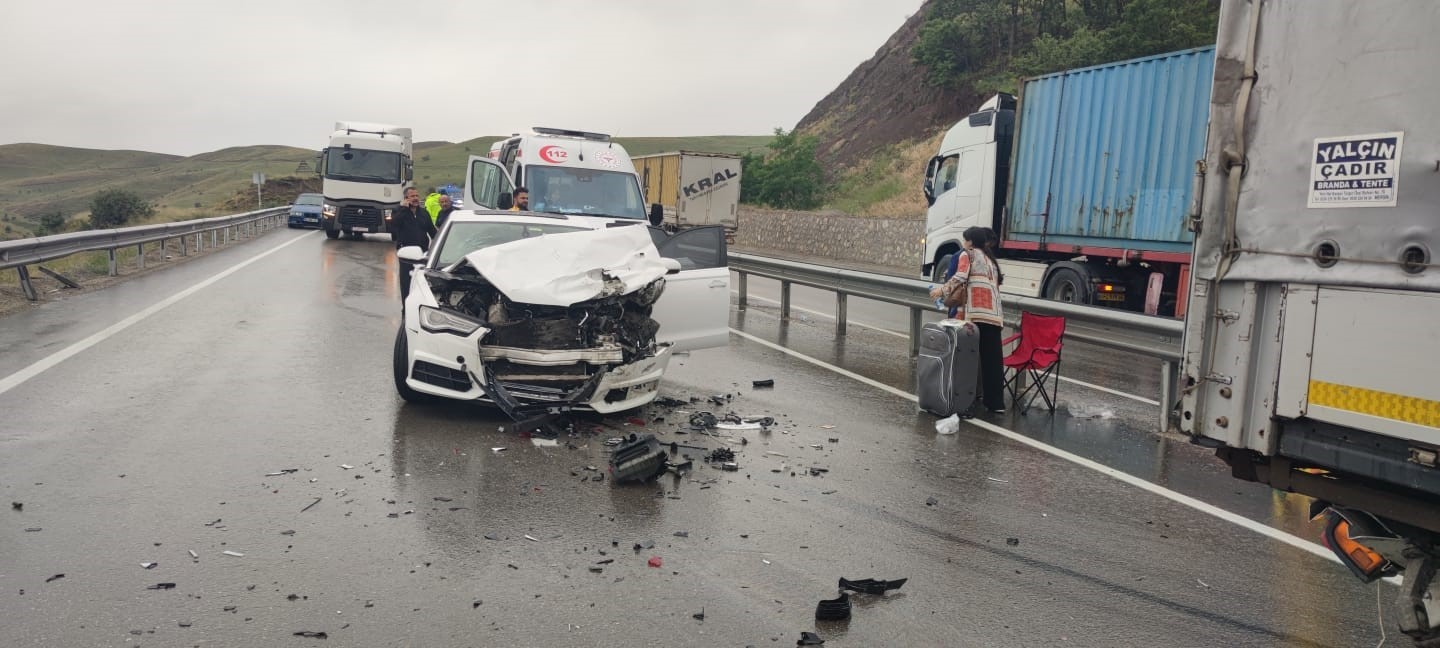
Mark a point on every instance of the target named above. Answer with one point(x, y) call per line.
point(906, 336)
point(18, 378)
point(1239, 520)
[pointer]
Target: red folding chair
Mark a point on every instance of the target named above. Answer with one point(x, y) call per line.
point(1036, 357)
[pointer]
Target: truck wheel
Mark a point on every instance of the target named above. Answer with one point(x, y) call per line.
point(402, 369)
point(332, 234)
point(937, 273)
point(1067, 286)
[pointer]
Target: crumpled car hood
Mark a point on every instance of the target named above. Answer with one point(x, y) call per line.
point(573, 267)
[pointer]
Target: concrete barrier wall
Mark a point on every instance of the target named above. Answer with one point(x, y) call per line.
point(893, 243)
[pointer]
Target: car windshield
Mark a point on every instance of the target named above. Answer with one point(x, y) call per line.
point(464, 238)
point(359, 165)
point(310, 199)
point(565, 190)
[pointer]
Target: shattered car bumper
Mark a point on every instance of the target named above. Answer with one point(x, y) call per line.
point(531, 376)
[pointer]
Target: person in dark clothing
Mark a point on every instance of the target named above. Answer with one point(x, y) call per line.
point(446, 207)
point(410, 225)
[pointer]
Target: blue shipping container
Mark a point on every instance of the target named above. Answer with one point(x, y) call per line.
point(1105, 156)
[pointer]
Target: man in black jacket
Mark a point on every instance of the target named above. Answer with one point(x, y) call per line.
point(410, 225)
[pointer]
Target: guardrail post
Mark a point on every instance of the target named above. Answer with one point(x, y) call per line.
point(784, 300)
point(113, 269)
point(744, 298)
point(227, 236)
point(184, 247)
point(213, 236)
point(25, 283)
point(915, 324)
point(1167, 393)
point(140, 254)
point(199, 242)
point(842, 306)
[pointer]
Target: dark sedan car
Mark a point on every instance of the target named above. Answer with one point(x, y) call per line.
point(305, 212)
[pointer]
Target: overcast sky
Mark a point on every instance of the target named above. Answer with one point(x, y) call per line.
point(181, 77)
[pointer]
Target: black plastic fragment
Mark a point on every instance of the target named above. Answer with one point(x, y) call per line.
point(871, 586)
point(637, 459)
point(55, 578)
point(810, 639)
point(768, 382)
point(312, 635)
point(1014, 542)
point(17, 506)
point(834, 609)
point(162, 586)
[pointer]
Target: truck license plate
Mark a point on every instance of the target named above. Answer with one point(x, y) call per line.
point(1114, 297)
point(359, 229)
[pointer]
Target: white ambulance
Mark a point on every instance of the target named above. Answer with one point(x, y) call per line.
point(574, 172)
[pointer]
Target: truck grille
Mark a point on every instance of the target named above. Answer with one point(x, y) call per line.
point(429, 372)
point(351, 216)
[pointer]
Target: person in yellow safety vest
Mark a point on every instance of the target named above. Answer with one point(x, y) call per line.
point(432, 205)
point(522, 199)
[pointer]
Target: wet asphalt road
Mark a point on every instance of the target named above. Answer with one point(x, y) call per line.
point(158, 440)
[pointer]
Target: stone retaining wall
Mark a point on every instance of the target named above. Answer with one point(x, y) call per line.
point(889, 242)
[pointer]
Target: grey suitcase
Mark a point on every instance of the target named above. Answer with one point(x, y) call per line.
point(947, 372)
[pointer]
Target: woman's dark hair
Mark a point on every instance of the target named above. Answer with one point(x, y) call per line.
point(985, 240)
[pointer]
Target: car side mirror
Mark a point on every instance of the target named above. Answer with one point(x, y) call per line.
point(411, 254)
point(671, 265)
point(505, 201)
point(657, 214)
point(929, 192)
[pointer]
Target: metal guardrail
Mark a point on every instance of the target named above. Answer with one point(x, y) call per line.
point(24, 252)
point(1155, 337)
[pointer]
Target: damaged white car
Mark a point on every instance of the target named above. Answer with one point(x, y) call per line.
point(540, 313)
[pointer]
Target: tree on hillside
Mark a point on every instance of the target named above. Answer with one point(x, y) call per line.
point(983, 45)
point(788, 176)
point(51, 223)
point(116, 207)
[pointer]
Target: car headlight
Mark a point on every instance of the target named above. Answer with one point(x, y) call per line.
point(387, 213)
point(435, 320)
point(329, 210)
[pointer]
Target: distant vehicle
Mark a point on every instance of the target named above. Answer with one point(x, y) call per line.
point(693, 188)
point(552, 312)
point(306, 210)
point(366, 169)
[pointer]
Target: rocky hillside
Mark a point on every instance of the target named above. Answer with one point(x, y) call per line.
point(885, 101)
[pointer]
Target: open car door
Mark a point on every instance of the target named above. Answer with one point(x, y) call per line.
point(694, 311)
point(485, 180)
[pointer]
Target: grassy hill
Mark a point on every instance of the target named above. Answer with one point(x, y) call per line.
point(39, 178)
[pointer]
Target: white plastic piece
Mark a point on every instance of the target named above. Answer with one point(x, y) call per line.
point(948, 425)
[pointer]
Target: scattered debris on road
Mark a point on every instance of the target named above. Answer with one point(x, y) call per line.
point(311, 504)
point(312, 635)
point(810, 639)
point(637, 459)
point(837, 609)
point(699, 616)
point(768, 382)
point(930, 501)
point(54, 578)
point(872, 586)
point(149, 565)
point(1014, 542)
point(949, 425)
point(162, 586)
point(655, 561)
point(18, 506)
point(283, 471)
point(234, 553)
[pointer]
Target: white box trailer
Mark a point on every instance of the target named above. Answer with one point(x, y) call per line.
point(694, 188)
point(1311, 345)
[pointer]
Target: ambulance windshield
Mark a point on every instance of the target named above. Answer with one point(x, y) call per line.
point(565, 190)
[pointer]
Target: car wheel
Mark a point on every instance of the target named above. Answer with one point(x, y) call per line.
point(937, 274)
point(1067, 286)
point(402, 369)
point(332, 234)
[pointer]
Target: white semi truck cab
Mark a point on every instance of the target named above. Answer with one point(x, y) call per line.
point(1311, 347)
point(365, 169)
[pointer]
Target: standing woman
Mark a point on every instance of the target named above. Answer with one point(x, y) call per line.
point(978, 273)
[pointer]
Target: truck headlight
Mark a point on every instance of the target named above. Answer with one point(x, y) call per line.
point(435, 320)
point(387, 213)
point(329, 210)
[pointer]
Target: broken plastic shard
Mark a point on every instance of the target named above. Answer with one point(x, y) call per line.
point(682, 534)
point(283, 471)
point(17, 506)
point(655, 561)
point(733, 427)
point(597, 569)
point(311, 505)
point(544, 442)
point(473, 606)
point(810, 639)
point(730, 466)
point(768, 382)
point(699, 616)
point(346, 466)
point(149, 565)
point(498, 449)
point(837, 609)
point(949, 425)
point(162, 586)
point(638, 459)
point(54, 578)
point(1014, 542)
point(34, 530)
point(312, 635)
point(194, 555)
point(234, 553)
point(930, 501)
point(871, 586)
point(532, 538)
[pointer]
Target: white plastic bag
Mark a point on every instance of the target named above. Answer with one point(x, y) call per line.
point(948, 425)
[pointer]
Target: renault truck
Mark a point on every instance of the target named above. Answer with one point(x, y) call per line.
point(1311, 339)
point(365, 170)
point(1087, 175)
